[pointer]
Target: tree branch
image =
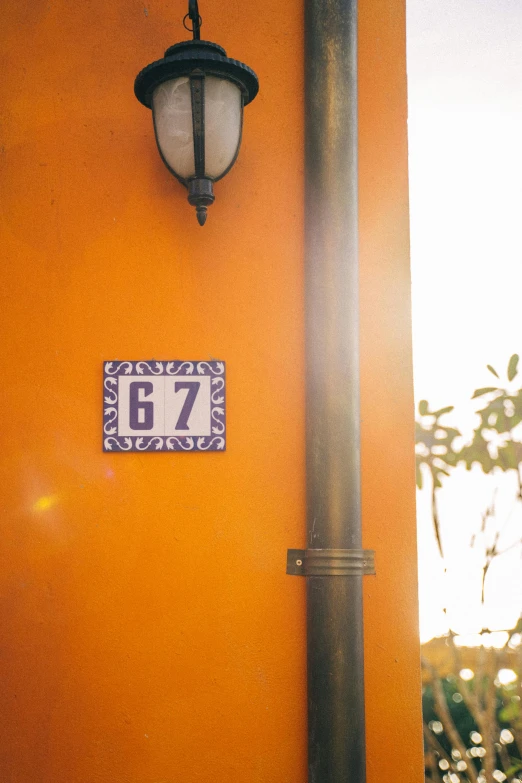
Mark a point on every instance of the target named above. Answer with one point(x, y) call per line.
point(442, 710)
point(436, 747)
point(435, 516)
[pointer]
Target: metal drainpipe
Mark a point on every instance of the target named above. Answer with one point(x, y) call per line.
point(334, 562)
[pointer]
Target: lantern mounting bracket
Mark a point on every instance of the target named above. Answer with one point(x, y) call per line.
point(195, 18)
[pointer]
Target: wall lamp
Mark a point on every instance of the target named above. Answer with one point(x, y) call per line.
point(197, 95)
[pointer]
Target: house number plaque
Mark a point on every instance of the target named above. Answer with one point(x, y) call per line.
point(164, 406)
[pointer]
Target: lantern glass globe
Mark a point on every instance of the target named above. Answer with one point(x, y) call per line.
point(173, 123)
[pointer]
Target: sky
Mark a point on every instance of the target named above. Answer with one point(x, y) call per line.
point(465, 142)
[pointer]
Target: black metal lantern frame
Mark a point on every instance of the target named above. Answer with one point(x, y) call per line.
point(196, 60)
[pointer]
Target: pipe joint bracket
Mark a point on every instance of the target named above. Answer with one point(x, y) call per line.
point(330, 562)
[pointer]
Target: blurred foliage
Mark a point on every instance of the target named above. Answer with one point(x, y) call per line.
point(457, 711)
point(439, 653)
point(493, 444)
point(472, 748)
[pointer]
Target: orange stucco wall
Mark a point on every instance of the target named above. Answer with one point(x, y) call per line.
point(393, 707)
point(149, 632)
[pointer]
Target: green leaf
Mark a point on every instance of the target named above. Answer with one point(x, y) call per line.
point(452, 432)
point(443, 410)
point(477, 451)
point(492, 369)
point(484, 390)
point(514, 768)
point(451, 459)
point(507, 457)
point(510, 713)
point(423, 407)
point(512, 367)
point(418, 476)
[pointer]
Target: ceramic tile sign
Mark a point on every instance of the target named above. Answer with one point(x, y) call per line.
point(164, 406)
